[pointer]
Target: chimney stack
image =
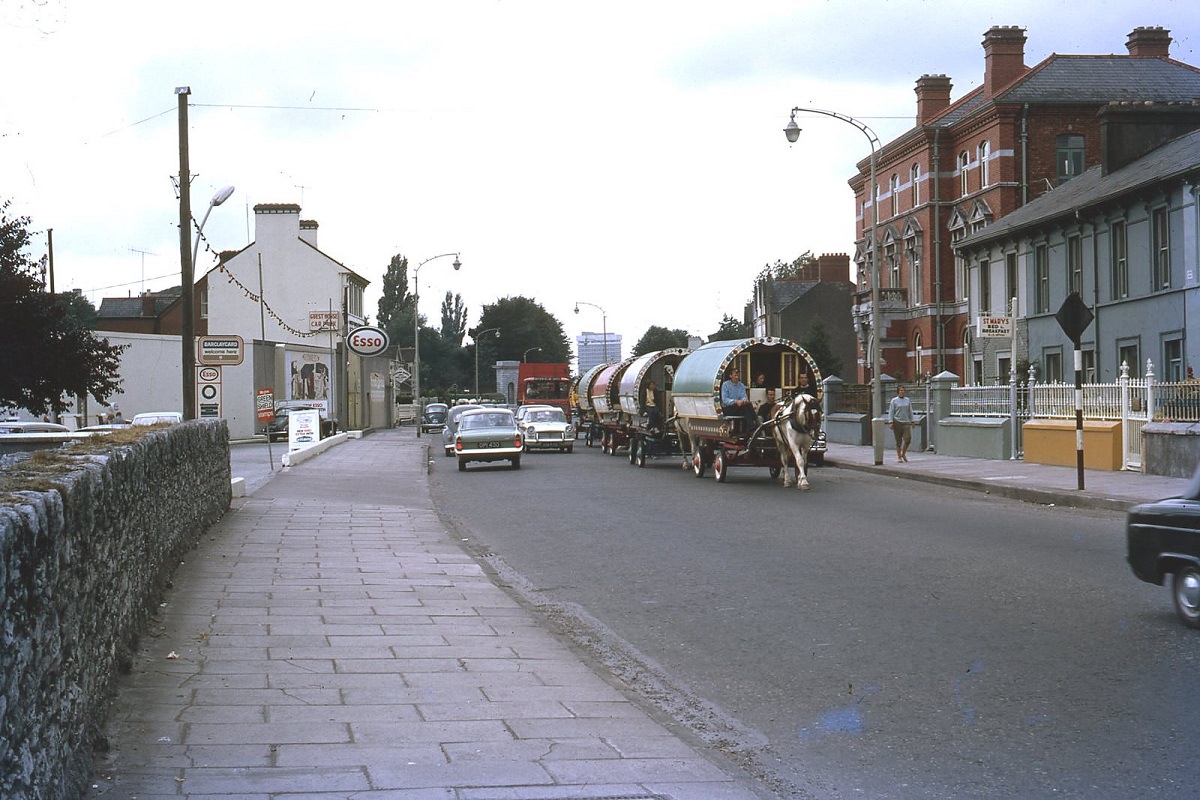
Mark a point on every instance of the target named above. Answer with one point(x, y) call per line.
point(933, 97)
point(1149, 43)
point(1003, 56)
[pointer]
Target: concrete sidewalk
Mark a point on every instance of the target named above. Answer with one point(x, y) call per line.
point(1034, 483)
point(330, 639)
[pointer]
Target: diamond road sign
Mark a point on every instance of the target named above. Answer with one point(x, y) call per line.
point(1074, 316)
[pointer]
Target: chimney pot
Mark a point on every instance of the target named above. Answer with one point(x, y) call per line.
point(1003, 56)
point(1146, 42)
point(933, 97)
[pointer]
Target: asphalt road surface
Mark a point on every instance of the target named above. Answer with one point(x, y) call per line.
point(872, 637)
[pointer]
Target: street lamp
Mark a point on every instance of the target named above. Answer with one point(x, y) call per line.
point(525, 356)
point(188, 329)
point(476, 336)
point(604, 321)
point(792, 131)
point(417, 330)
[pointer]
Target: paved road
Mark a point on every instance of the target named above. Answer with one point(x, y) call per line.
point(872, 637)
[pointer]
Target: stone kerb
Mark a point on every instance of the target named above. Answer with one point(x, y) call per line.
point(82, 569)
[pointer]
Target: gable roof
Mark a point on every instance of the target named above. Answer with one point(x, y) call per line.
point(1176, 158)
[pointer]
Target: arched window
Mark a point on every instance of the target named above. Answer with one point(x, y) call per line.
point(964, 166)
point(985, 153)
point(895, 190)
point(914, 178)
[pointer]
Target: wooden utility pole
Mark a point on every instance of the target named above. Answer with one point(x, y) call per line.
point(186, 268)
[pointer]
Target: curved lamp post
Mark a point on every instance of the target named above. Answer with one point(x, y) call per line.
point(525, 356)
point(604, 321)
point(188, 328)
point(417, 329)
point(792, 131)
point(476, 336)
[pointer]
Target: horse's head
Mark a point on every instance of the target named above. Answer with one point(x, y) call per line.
point(806, 413)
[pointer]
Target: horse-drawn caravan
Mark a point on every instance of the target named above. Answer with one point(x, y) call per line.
point(581, 392)
point(650, 430)
point(710, 437)
point(606, 405)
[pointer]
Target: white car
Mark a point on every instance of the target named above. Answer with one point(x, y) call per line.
point(158, 418)
point(525, 409)
point(32, 426)
point(547, 428)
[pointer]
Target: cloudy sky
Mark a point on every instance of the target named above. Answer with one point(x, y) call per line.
point(626, 154)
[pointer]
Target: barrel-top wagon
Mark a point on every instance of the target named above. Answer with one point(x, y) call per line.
point(583, 403)
point(648, 437)
point(606, 406)
point(710, 438)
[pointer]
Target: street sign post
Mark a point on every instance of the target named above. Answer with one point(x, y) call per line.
point(1073, 317)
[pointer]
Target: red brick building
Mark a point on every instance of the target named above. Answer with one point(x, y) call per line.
point(969, 162)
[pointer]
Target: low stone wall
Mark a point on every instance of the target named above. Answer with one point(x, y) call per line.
point(1170, 448)
point(82, 568)
point(975, 437)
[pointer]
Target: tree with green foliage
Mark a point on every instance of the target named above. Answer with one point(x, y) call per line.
point(731, 330)
point(396, 304)
point(658, 338)
point(782, 271)
point(816, 342)
point(454, 319)
point(50, 349)
point(523, 324)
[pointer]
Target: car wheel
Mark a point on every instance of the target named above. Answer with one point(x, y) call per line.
point(633, 446)
point(641, 453)
point(719, 466)
point(1185, 591)
point(462, 465)
point(816, 459)
point(570, 449)
point(775, 469)
point(516, 462)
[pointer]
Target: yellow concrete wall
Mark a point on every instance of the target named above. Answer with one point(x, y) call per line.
point(1052, 441)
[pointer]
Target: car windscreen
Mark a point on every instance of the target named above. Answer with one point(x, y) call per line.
point(555, 415)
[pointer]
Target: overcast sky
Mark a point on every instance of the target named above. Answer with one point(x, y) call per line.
point(625, 154)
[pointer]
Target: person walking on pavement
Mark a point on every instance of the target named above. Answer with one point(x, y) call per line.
point(900, 420)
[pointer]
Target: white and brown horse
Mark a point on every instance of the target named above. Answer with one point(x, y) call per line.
point(797, 423)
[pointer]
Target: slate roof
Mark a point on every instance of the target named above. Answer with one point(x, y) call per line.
point(1175, 158)
point(127, 307)
point(1088, 80)
point(784, 293)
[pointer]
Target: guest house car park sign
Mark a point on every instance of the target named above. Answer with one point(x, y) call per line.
point(218, 351)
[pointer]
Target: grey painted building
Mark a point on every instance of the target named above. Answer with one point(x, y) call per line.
point(1123, 235)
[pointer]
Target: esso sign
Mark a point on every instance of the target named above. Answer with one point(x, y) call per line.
point(367, 340)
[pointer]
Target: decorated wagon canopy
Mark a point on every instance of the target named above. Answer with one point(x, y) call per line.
point(781, 364)
point(658, 366)
point(603, 393)
point(583, 387)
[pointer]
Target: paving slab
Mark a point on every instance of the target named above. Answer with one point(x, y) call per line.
point(329, 638)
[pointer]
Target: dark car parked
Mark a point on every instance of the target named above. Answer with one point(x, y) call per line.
point(277, 428)
point(1162, 539)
